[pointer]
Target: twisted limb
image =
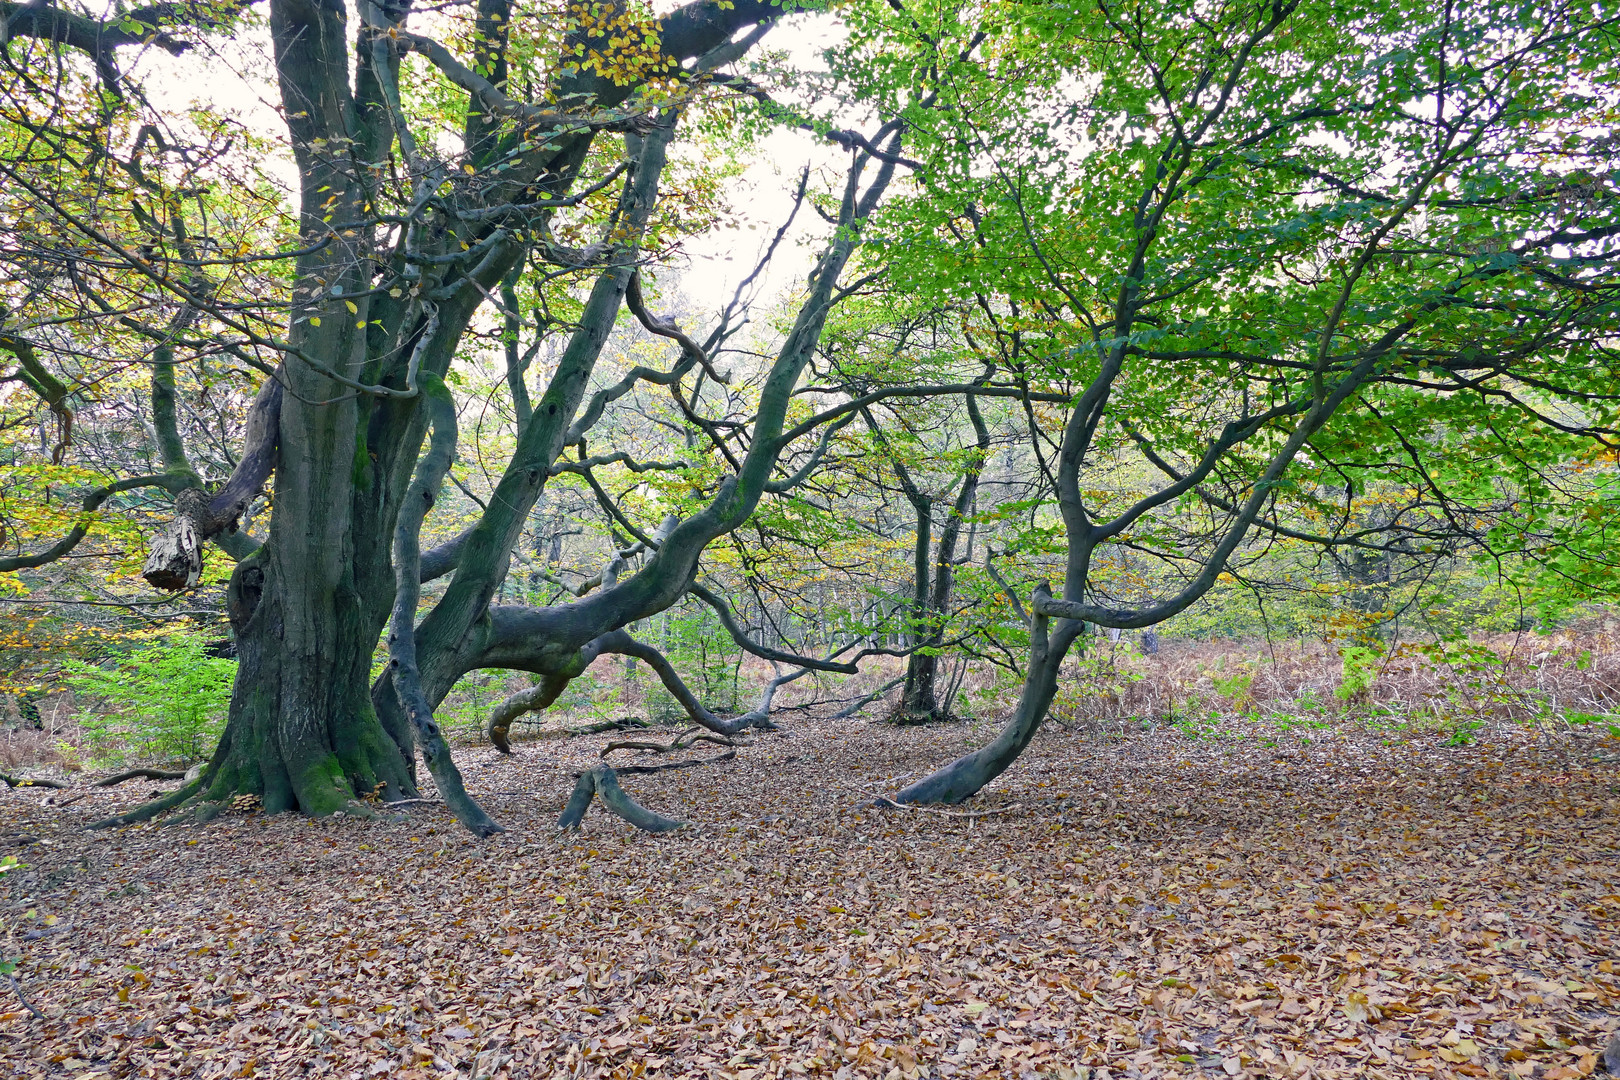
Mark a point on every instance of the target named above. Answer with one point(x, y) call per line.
point(603, 781)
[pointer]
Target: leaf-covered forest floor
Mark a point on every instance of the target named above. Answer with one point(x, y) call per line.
point(1148, 905)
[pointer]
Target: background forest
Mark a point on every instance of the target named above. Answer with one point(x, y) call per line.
point(759, 539)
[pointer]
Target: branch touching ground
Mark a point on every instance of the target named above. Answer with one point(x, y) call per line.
point(690, 763)
point(861, 703)
point(535, 699)
point(890, 804)
point(140, 774)
point(32, 781)
point(604, 782)
point(680, 742)
point(430, 472)
point(18, 987)
point(147, 811)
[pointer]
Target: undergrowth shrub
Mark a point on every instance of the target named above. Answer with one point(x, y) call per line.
point(164, 702)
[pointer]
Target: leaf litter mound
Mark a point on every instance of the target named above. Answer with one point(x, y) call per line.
point(1149, 905)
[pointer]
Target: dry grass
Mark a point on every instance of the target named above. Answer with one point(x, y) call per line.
point(1561, 678)
point(52, 743)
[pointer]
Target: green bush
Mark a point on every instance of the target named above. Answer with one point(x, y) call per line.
point(164, 702)
point(1360, 672)
point(692, 638)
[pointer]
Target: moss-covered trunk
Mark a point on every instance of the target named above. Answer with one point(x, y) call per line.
point(302, 733)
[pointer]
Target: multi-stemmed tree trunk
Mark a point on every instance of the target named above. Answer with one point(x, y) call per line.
point(397, 252)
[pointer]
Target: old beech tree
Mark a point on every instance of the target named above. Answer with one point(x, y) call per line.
point(406, 230)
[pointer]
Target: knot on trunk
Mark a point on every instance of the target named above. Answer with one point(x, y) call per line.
point(175, 559)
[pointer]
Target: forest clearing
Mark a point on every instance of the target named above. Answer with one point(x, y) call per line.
point(902, 539)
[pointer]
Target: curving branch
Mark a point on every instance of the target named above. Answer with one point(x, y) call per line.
point(407, 678)
point(622, 643)
point(100, 39)
point(776, 487)
point(38, 378)
point(620, 457)
point(856, 404)
point(592, 412)
point(92, 503)
point(667, 328)
point(494, 101)
point(174, 560)
point(729, 620)
point(603, 781)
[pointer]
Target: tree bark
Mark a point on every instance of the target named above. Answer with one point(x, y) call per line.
point(354, 398)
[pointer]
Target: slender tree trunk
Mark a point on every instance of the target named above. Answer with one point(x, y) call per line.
point(919, 704)
point(962, 778)
point(920, 699)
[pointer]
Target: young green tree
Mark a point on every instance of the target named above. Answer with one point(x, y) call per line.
point(1264, 246)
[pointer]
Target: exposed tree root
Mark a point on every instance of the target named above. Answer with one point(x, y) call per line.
point(32, 781)
point(199, 812)
point(135, 774)
point(604, 782)
point(149, 810)
point(621, 724)
point(668, 765)
point(680, 742)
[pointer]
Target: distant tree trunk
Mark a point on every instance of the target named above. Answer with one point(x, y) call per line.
point(931, 598)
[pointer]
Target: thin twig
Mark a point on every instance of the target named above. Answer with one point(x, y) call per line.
point(14, 985)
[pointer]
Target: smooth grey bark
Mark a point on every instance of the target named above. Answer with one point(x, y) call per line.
point(558, 642)
point(402, 665)
point(604, 782)
point(1055, 622)
point(964, 777)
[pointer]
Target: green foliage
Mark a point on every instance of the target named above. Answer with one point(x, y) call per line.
point(466, 708)
point(1235, 688)
point(1608, 721)
point(9, 863)
point(163, 702)
point(1359, 674)
point(691, 638)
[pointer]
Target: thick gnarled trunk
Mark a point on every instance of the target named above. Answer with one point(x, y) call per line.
point(363, 370)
